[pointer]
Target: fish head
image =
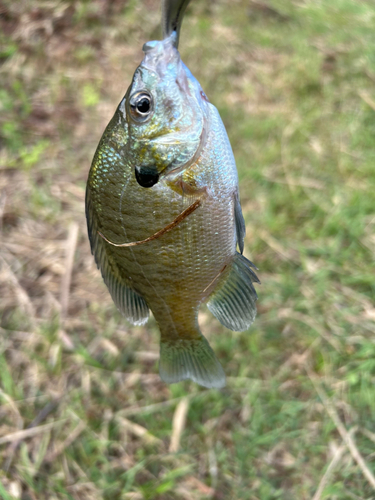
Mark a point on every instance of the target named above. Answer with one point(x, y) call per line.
point(166, 113)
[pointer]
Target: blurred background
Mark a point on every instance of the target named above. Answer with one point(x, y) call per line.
point(83, 412)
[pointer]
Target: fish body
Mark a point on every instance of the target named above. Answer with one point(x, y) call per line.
point(164, 216)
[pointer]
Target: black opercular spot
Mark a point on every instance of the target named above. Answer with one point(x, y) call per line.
point(146, 176)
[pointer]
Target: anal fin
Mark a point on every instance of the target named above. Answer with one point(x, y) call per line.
point(233, 302)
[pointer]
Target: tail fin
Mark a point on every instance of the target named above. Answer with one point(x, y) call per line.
point(190, 359)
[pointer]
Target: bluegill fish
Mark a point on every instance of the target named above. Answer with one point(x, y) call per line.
point(163, 211)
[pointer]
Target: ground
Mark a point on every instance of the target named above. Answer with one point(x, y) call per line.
point(84, 414)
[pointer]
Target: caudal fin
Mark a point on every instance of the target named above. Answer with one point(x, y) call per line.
point(190, 359)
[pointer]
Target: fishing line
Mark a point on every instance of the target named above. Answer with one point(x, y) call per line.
point(190, 209)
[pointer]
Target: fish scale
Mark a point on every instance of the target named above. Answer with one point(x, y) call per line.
point(163, 213)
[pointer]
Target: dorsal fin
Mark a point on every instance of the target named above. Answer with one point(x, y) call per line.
point(172, 15)
point(240, 223)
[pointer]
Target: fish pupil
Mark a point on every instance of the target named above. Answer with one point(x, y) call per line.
point(146, 176)
point(143, 105)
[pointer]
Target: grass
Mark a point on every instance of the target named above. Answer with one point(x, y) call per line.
point(294, 83)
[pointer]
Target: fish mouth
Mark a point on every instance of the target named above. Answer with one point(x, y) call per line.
point(158, 54)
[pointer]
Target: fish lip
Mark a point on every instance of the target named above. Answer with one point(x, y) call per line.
point(171, 172)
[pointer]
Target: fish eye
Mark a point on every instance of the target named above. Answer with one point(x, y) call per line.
point(141, 106)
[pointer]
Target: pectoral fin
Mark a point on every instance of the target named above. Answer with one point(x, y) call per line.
point(130, 303)
point(233, 302)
